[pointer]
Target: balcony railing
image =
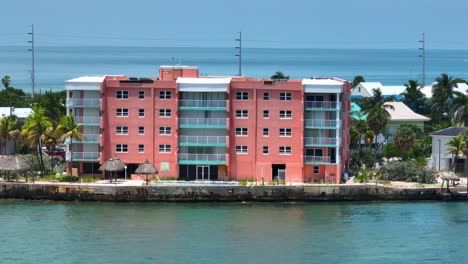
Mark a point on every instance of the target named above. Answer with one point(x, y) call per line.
point(202, 121)
point(321, 123)
point(202, 103)
point(86, 120)
point(83, 103)
point(321, 104)
point(77, 156)
point(88, 138)
point(202, 157)
point(316, 159)
point(320, 141)
point(202, 140)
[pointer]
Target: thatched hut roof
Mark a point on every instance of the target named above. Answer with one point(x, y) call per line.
point(113, 164)
point(146, 168)
point(13, 163)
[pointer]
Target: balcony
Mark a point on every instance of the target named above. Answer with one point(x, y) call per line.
point(321, 124)
point(83, 156)
point(87, 120)
point(322, 106)
point(321, 141)
point(209, 159)
point(202, 122)
point(83, 103)
point(87, 139)
point(317, 160)
point(215, 141)
point(214, 105)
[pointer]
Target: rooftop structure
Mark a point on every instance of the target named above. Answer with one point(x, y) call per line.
point(364, 89)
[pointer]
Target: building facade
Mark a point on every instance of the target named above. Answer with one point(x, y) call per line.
point(213, 128)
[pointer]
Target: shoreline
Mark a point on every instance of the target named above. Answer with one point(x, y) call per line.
point(224, 193)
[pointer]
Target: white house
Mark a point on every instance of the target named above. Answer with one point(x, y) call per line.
point(441, 158)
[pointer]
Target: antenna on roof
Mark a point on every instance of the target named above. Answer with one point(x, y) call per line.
point(423, 56)
point(239, 40)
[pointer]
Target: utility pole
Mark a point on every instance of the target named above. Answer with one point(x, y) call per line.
point(423, 56)
point(32, 62)
point(239, 47)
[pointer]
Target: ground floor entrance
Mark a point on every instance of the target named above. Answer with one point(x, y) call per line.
point(278, 172)
point(198, 172)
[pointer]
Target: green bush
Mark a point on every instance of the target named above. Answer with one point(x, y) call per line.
point(69, 179)
point(390, 151)
point(407, 171)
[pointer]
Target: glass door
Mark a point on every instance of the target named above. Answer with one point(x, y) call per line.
point(203, 173)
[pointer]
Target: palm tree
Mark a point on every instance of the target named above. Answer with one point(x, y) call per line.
point(442, 95)
point(279, 76)
point(404, 140)
point(33, 131)
point(413, 97)
point(54, 105)
point(52, 138)
point(8, 131)
point(6, 81)
point(459, 109)
point(70, 130)
point(455, 147)
point(357, 80)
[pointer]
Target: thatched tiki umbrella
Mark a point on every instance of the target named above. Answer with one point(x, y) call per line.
point(13, 163)
point(112, 165)
point(146, 168)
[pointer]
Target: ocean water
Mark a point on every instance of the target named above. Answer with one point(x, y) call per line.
point(56, 232)
point(54, 65)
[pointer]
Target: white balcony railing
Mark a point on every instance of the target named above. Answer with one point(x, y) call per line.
point(202, 103)
point(203, 121)
point(321, 141)
point(321, 123)
point(202, 157)
point(316, 159)
point(83, 102)
point(202, 140)
point(90, 137)
point(321, 104)
point(83, 155)
point(87, 119)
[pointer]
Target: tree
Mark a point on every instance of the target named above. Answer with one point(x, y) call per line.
point(404, 140)
point(6, 81)
point(442, 95)
point(357, 79)
point(8, 131)
point(70, 130)
point(413, 97)
point(459, 109)
point(33, 131)
point(52, 138)
point(53, 104)
point(279, 76)
point(455, 147)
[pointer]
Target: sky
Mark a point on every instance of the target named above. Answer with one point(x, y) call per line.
point(379, 24)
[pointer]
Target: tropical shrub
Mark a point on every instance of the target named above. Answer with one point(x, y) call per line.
point(407, 171)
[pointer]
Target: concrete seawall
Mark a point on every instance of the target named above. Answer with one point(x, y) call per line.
point(116, 193)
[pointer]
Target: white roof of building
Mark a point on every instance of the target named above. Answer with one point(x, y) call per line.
point(87, 79)
point(203, 84)
point(322, 85)
point(177, 67)
point(321, 82)
point(214, 80)
point(85, 83)
point(401, 112)
point(19, 112)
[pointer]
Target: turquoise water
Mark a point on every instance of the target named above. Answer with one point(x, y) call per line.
point(54, 65)
point(53, 232)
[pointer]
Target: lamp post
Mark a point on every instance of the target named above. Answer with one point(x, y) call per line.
point(125, 172)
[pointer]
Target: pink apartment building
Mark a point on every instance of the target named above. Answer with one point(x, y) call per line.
point(213, 128)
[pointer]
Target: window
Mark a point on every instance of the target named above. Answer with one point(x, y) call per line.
point(141, 130)
point(285, 132)
point(241, 149)
point(242, 131)
point(266, 132)
point(316, 169)
point(141, 112)
point(265, 150)
point(242, 96)
point(164, 130)
point(141, 94)
point(141, 148)
point(266, 96)
point(121, 148)
point(285, 114)
point(285, 96)
point(316, 152)
point(165, 95)
point(121, 112)
point(165, 148)
point(285, 150)
point(165, 112)
point(121, 95)
point(121, 130)
point(242, 113)
point(266, 113)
